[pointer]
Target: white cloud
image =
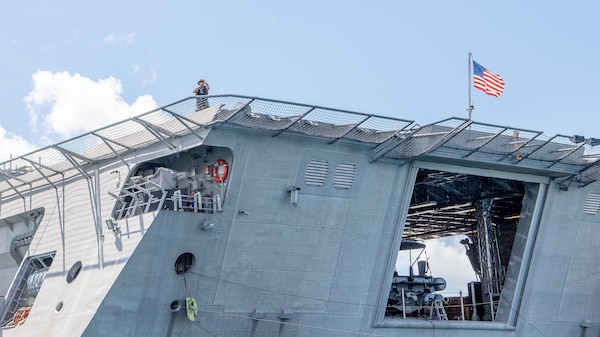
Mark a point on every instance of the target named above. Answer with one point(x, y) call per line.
point(13, 145)
point(113, 39)
point(68, 105)
point(447, 259)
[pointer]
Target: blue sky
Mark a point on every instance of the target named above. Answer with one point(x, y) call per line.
point(69, 67)
point(72, 66)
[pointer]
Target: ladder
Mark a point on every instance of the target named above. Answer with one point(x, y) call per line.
point(14, 295)
point(437, 307)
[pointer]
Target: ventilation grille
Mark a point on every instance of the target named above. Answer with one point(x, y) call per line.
point(592, 203)
point(316, 172)
point(344, 175)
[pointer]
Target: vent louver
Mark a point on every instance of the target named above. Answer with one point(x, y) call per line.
point(344, 175)
point(316, 172)
point(592, 203)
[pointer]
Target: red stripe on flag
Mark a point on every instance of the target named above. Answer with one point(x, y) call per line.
point(492, 84)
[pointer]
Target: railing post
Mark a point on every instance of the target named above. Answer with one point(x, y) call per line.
point(403, 305)
point(492, 307)
point(462, 306)
point(474, 303)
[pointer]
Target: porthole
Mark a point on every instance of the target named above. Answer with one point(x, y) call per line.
point(74, 271)
point(184, 262)
point(59, 306)
point(175, 306)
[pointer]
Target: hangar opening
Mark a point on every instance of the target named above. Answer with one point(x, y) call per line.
point(472, 215)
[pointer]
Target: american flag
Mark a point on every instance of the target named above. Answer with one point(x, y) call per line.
point(486, 81)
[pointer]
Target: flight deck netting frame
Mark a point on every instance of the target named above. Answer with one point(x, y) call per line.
point(75, 156)
point(316, 121)
point(390, 138)
point(459, 138)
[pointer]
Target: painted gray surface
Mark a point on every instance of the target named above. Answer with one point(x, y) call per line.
point(325, 263)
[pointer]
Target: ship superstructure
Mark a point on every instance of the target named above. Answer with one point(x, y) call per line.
point(256, 217)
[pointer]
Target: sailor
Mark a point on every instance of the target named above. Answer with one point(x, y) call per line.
point(201, 90)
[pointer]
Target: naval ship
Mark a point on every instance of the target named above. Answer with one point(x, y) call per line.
point(229, 215)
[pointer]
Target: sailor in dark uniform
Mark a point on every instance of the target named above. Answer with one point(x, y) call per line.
point(201, 90)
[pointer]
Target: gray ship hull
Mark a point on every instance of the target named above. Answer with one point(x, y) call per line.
point(255, 217)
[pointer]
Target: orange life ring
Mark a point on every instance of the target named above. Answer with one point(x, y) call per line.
point(220, 171)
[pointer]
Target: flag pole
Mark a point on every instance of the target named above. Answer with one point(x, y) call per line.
point(471, 107)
